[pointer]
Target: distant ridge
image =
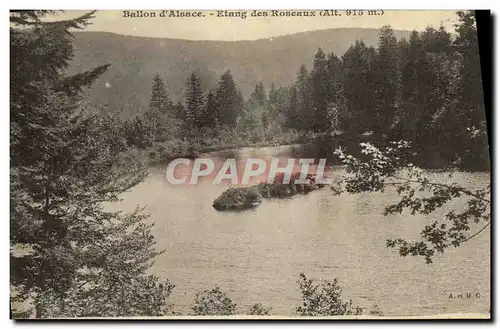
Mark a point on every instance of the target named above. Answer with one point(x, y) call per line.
point(134, 61)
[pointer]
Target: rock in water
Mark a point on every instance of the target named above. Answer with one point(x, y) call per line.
point(237, 199)
point(243, 198)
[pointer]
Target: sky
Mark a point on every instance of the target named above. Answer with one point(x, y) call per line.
point(212, 27)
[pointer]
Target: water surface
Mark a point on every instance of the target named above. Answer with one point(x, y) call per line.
point(257, 255)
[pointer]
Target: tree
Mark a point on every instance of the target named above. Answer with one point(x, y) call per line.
point(471, 101)
point(387, 79)
point(69, 256)
point(258, 97)
point(436, 41)
point(358, 84)
point(229, 101)
point(160, 102)
point(320, 91)
point(336, 109)
point(334, 67)
point(140, 132)
point(292, 113)
point(213, 302)
point(323, 299)
point(195, 104)
point(305, 113)
point(429, 111)
point(416, 85)
point(390, 167)
point(210, 119)
point(159, 119)
point(179, 111)
point(275, 111)
point(258, 309)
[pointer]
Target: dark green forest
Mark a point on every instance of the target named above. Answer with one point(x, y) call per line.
point(426, 89)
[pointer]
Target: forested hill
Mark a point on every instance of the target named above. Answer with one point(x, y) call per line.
point(134, 61)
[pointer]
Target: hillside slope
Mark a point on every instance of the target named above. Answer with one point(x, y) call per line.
point(135, 60)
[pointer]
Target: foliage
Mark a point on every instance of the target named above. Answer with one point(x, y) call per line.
point(391, 167)
point(160, 102)
point(324, 299)
point(358, 77)
point(67, 159)
point(139, 132)
point(387, 79)
point(134, 296)
point(229, 101)
point(196, 115)
point(258, 309)
point(426, 90)
point(159, 119)
point(213, 302)
point(375, 311)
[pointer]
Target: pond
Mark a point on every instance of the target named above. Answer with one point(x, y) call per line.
point(257, 255)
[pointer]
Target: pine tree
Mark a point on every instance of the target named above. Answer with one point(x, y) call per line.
point(336, 107)
point(468, 137)
point(275, 111)
point(358, 84)
point(70, 257)
point(159, 120)
point(179, 111)
point(271, 109)
point(436, 41)
point(471, 99)
point(334, 68)
point(292, 114)
point(428, 89)
point(160, 102)
point(251, 118)
point(258, 97)
point(195, 104)
point(320, 91)
point(229, 101)
point(305, 113)
point(414, 87)
point(387, 79)
point(210, 110)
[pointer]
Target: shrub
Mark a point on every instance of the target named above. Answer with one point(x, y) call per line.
point(324, 299)
point(213, 302)
point(258, 309)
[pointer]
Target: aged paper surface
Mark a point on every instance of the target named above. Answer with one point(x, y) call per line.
point(269, 164)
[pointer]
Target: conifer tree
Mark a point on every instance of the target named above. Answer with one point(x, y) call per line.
point(414, 91)
point(159, 119)
point(229, 101)
point(471, 98)
point(271, 109)
point(69, 256)
point(179, 111)
point(160, 102)
point(195, 105)
point(210, 110)
point(336, 107)
point(305, 111)
point(320, 91)
point(358, 84)
point(387, 79)
point(292, 113)
point(437, 41)
point(258, 97)
point(428, 89)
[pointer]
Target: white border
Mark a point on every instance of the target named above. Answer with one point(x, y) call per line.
point(189, 4)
